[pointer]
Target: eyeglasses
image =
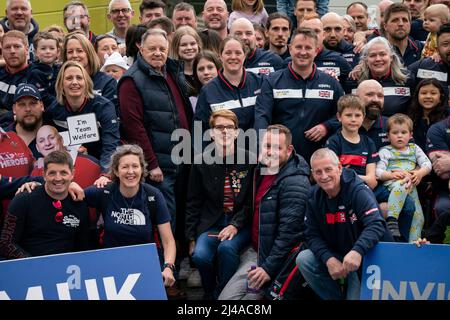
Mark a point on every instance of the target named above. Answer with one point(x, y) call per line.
point(118, 11)
point(59, 215)
point(222, 127)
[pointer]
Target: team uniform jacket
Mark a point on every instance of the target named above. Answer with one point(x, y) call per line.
point(219, 94)
point(428, 68)
point(107, 123)
point(299, 104)
point(8, 85)
point(438, 136)
point(397, 97)
point(106, 86)
point(349, 221)
point(328, 60)
point(413, 52)
point(377, 132)
point(263, 62)
point(346, 49)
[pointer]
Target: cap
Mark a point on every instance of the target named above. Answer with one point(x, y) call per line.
point(115, 59)
point(26, 90)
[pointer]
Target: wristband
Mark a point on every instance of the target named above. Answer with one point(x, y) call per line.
point(169, 265)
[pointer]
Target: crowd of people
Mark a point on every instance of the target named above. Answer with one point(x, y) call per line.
point(229, 137)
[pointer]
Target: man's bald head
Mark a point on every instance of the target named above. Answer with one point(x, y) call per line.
point(372, 95)
point(244, 30)
point(333, 29)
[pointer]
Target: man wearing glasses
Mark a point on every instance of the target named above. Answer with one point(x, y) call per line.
point(76, 17)
point(120, 14)
point(47, 220)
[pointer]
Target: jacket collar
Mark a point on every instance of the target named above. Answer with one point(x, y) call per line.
point(298, 77)
point(229, 85)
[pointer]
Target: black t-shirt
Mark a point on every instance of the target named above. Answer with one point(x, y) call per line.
point(34, 226)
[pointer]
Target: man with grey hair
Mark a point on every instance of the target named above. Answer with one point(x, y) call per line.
point(342, 223)
point(76, 17)
point(184, 15)
point(120, 14)
point(258, 61)
point(215, 15)
point(19, 16)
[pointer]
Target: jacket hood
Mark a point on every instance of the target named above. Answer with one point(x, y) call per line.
point(349, 177)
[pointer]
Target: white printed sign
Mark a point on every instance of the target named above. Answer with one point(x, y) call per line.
point(83, 129)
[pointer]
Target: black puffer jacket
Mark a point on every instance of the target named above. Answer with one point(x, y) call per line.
point(206, 192)
point(281, 214)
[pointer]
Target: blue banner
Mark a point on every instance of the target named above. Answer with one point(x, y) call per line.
point(402, 271)
point(123, 273)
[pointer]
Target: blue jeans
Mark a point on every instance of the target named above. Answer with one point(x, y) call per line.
point(407, 213)
point(167, 188)
point(208, 249)
point(316, 274)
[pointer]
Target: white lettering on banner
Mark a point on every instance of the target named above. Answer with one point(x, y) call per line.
point(426, 74)
point(234, 104)
point(336, 70)
point(10, 159)
point(8, 88)
point(397, 91)
point(389, 292)
point(287, 93)
point(261, 70)
point(35, 293)
point(319, 94)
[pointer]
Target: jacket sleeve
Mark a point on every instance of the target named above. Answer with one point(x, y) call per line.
point(9, 185)
point(13, 227)
point(109, 91)
point(332, 124)
point(292, 198)
point(366, 209)
point(194, 202)
point(264, 106)
point(132, 116)
point(313, 234)
point(110, 133)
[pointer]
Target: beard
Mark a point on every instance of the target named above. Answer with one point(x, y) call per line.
point(29, 125)
point(373, 110)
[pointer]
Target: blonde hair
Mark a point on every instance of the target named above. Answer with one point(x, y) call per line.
point(439, 10)
point(238, 5)
point(399, 118)
point(88, 48)
point(176, 40)
point(59, 85)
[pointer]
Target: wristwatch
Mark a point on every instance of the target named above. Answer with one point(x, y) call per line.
point(169, 265)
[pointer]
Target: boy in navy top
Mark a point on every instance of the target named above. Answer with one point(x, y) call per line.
point(355, 151)
point(45, 70)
